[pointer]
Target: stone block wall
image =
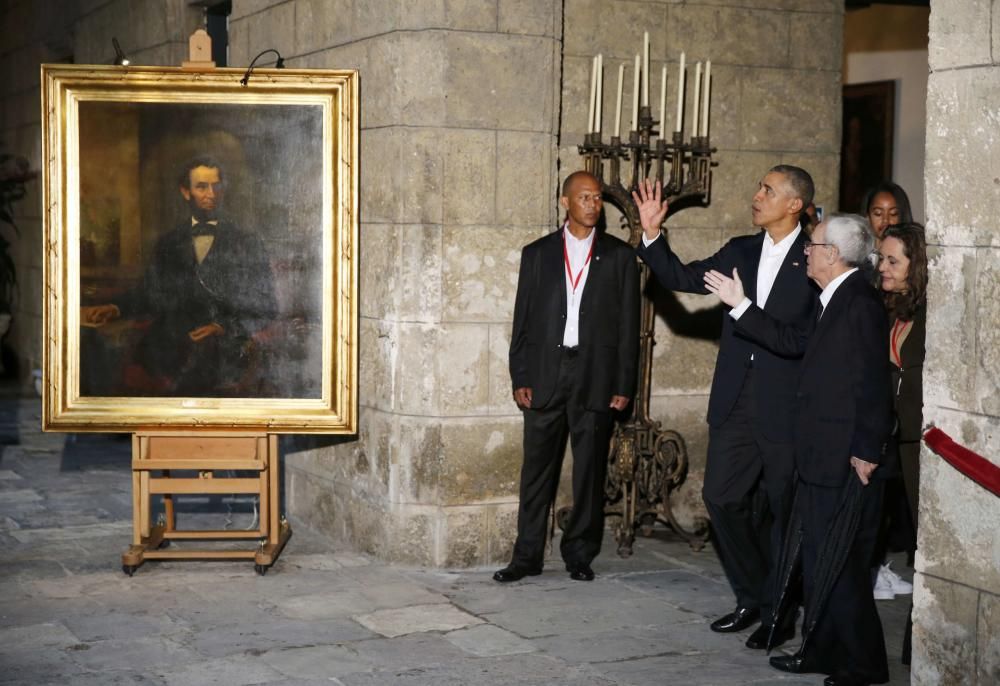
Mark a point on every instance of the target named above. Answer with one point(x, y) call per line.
point(776, 89)
point(956, 620)
point(459, 106)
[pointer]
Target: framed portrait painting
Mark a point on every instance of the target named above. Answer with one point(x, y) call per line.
point(201, 249)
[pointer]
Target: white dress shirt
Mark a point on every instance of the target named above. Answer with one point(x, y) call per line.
point(578, 251)
point(824, 297)
point(202, 244)
point(771, 256)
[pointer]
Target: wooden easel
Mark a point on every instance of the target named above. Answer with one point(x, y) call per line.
point(154, 455)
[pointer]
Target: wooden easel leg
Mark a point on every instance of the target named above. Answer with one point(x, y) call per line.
point(278, 529)
point(132, 557)
point(273, 471)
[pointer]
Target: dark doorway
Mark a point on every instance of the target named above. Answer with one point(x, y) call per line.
point(866, 147)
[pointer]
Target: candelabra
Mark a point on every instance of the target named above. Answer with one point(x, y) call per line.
point(646, 462)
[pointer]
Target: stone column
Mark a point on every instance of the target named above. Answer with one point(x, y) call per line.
point(459, 121)
point(956, 638)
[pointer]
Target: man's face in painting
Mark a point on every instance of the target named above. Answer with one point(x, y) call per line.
point(204, 192)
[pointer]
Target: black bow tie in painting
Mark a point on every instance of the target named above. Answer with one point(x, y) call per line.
point(203, 229)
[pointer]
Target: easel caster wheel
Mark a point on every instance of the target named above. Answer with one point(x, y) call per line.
point(165, 543)
point(260, 569)
point(646, 525)
point(129, 569)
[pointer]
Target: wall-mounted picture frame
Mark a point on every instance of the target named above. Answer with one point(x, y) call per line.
point(201, 262)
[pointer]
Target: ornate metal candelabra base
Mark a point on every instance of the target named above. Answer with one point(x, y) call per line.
point(646, 463)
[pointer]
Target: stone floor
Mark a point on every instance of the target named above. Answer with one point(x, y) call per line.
point(324, 614)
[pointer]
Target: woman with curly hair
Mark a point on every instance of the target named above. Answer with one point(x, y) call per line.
point(903, 270)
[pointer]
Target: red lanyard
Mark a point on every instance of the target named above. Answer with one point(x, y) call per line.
point(569, 270)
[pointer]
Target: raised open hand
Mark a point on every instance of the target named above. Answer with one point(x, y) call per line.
point(730, 291)
point(652, 210)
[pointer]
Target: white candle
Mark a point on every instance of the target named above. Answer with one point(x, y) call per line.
point(645, 69)
point(680, 96)
point(599, 109)
point(708, 95)
point(593, 94)
point(663, 103)
point(635, 97)
point(697, 94)
point(618, 106)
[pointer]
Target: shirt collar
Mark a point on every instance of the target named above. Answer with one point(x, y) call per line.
point(578, 241)
point(213, 222)
point(827, 294)
point(784, 244)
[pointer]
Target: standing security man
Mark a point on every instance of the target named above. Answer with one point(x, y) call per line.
point(573, 360)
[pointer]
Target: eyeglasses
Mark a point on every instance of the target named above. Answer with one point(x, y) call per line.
point(809, 245)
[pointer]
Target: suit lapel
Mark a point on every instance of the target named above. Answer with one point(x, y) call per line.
point(830, 314)
point(791, 269)
point(594, 271)
point(554, 269)
point(752, 260)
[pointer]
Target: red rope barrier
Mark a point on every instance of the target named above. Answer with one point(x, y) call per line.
point(974, 466)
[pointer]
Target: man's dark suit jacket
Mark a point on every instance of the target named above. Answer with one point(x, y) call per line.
point(843, 394)
point(792, 300)
point(608, 327)
point(232, 287)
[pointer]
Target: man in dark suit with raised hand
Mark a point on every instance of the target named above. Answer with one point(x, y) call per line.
point(573, 358)
point(752, 401)
point(843, 422)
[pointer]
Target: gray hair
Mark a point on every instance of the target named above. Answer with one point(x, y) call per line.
point(852, 236)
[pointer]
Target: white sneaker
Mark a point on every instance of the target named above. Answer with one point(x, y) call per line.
point(899, 585)
point(883, 587)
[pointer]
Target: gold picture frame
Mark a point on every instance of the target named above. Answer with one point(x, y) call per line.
point(248, 322)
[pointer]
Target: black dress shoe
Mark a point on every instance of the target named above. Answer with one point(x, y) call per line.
point(758, 639)
point(737, 620)
point(514, 573)
point(795, 664)
point(580, 571)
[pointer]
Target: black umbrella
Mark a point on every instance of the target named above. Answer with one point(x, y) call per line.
point(832, 557)
point(788, 566)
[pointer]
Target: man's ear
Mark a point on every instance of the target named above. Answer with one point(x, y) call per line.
point(795, 206)
point(186, 192)
point(564, 201)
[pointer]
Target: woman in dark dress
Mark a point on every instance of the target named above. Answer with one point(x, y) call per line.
point(903, 271)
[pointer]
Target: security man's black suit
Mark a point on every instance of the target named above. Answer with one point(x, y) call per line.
point(571, 388)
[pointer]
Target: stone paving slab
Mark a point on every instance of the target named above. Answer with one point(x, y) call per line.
point(238, 670)
point(417, 619)
point(325, 614)
point(487, 640)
